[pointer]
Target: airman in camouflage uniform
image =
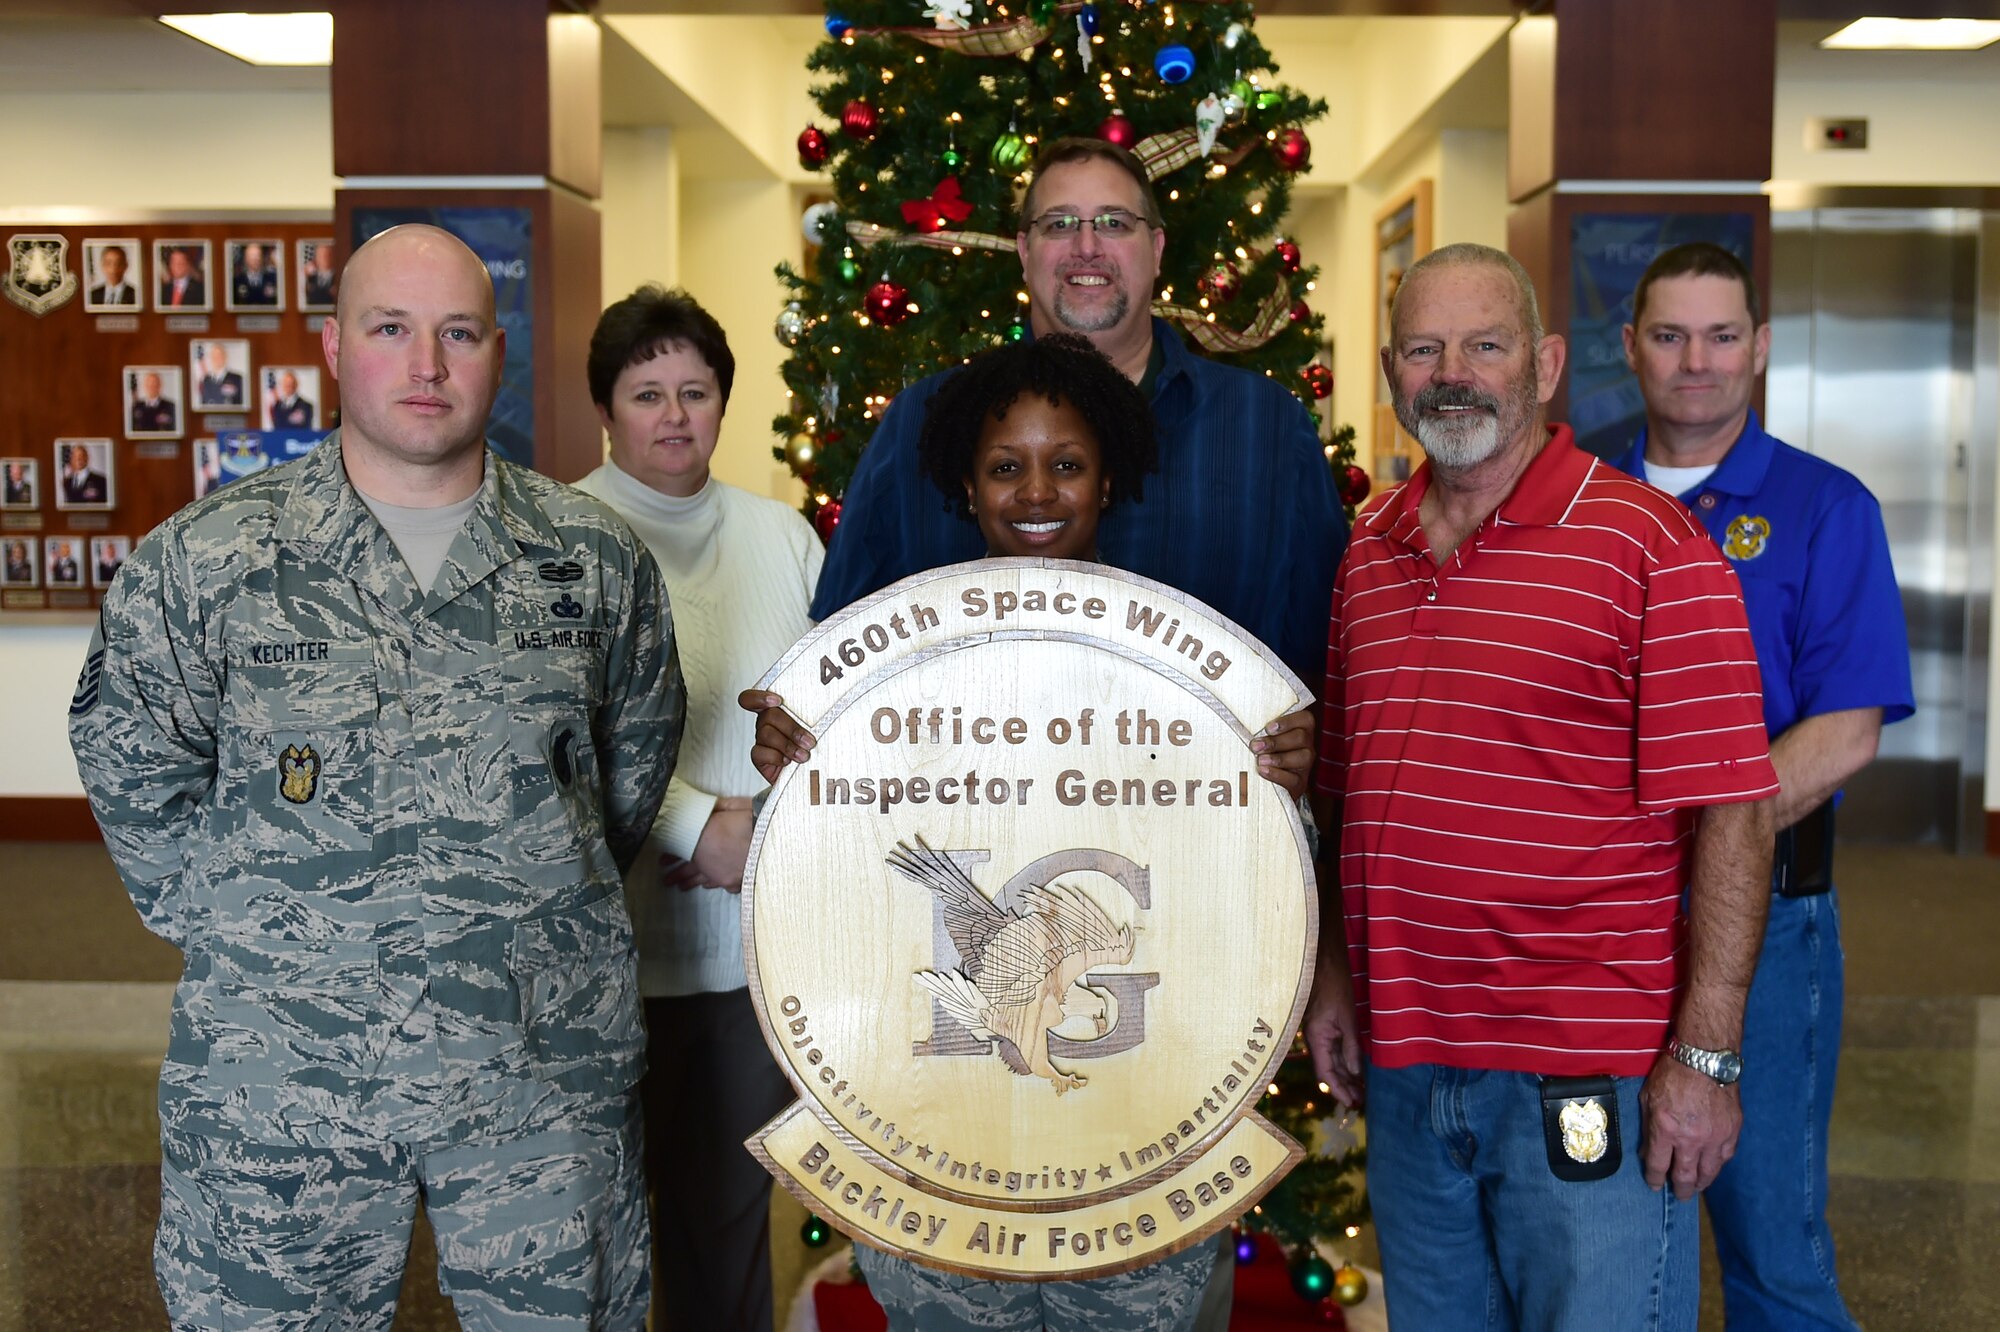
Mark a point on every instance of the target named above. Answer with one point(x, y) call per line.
point(386, 825)
point(1163, 1296)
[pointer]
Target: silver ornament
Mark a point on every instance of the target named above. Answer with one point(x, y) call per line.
point(814, 216)
point(1233, 35)
point(1232, 108)
point(791, 325)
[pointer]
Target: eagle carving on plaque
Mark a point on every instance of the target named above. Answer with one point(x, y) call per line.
point(1017, 968)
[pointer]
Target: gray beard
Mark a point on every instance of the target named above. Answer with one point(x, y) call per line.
point(1460, 444)
point(1109, 316)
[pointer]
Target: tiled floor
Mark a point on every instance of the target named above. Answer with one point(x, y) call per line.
point(84, 994)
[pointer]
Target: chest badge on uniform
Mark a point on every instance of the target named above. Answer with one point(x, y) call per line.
point(568, 608)
point(1585, 1130)
point(560, 571)
point(1746, 537)
point(298, 774)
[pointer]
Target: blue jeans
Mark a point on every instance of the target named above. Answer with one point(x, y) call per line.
point(1768, 1206)
point(1477, 1233)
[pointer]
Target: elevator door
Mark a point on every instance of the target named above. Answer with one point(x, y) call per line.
point(1875, 316)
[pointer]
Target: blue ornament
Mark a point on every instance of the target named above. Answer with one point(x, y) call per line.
point(1174, 64)
point(837, 27)
point(1086, 18)
point(1246, 1248)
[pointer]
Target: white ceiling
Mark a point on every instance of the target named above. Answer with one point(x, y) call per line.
point(51, 55)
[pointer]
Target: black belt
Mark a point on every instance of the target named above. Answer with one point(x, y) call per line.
point(1802, 861)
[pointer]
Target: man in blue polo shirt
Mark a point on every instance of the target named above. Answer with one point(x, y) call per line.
point(1243, 512)
point(1808, 546)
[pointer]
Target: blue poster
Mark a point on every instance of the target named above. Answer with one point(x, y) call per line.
point(235, 454)
point(502, 237)
point(1608, 252)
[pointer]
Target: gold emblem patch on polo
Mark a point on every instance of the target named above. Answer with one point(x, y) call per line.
point(298, 774)
point(1746, 537)
point(1585, 1131)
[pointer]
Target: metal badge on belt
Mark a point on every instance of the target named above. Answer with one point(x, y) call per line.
point(1580, 1128)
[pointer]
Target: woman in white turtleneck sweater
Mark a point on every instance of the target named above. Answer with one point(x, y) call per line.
point(739, 573)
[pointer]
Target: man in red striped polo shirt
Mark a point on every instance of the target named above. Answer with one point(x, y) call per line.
point(1545, 754)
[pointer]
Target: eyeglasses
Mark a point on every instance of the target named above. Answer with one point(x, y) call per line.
point(1111, 224)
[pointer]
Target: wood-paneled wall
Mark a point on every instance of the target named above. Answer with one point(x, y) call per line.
point(61, 377)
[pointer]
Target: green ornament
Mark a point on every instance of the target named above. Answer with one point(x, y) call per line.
point(815, 1232)
point(1243, 91)
point(850, 271)
point(1016, 331)
point(951, 159)
point(1010, 153)
point(1312, 1278)
point(1042, 12)
point(1269, 101)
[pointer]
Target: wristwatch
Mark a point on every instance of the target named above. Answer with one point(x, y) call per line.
point(1725, 1066)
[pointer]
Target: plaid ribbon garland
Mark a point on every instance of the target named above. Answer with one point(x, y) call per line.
point(874, 233)
point(1270, 319)
point(993, 40)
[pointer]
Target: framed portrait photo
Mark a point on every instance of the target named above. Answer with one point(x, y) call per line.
point(181, 276)
point(219, 369)
point(86, 476)
point(114, 275)
point(107, 554)
point(20, 561)
point(256, 274)
point(62, 561)
point(290, 397)
point(20, 483)
point(154, 402)
point(207, 466)
point(317, 268)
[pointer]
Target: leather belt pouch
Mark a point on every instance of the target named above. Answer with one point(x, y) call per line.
point(1580, 1128)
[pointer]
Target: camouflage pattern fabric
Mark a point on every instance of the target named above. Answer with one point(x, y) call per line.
point(544, 1231)
point(1159, 1297)
point(385, 826)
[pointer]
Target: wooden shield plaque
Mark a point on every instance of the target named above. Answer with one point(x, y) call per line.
point(1028, 932)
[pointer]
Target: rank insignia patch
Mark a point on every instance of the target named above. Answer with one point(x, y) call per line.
point(560, 571)
point(568, 608)
point(1746, 537)
point(88, 685)
point(298, 774)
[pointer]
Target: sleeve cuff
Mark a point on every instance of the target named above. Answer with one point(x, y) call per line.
point(682, 818)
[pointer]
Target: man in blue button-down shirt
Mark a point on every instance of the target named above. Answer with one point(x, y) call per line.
point(1243, 512)
point(1807, 543)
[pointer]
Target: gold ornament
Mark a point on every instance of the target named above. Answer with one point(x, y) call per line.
point(1350, 1286)
point(799, 450)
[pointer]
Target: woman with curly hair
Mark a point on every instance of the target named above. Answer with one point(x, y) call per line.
point(1033, 442)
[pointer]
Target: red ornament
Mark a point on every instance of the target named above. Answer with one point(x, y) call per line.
point(888, 303)
point(1119, 130)
point(1355, 484)
point(1329, 1312)
point(1293, 149)
point(832, 435)
point(1319, 378)
point(826, 518)
point(1222, 282)
point(1288, 256)
point(1301, 312)
point(814, 147)
point(858, 119)
point(944, 207)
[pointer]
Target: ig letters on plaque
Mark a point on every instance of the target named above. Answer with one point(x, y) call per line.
point(1027, 931)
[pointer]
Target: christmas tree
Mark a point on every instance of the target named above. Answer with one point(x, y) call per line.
point(935, 112)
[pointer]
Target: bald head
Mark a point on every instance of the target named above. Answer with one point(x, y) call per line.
point(401, 252)
point(1467, 254)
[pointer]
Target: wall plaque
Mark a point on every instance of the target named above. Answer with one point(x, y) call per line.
point(187, 323)
point(117, 323)
point(1028, 932)
point(257, 323)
